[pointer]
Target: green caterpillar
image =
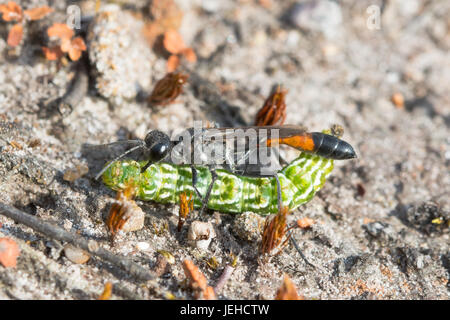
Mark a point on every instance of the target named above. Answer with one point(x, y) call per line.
point(164, 182)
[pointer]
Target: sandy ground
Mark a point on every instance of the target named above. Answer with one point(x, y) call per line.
point(375, 235)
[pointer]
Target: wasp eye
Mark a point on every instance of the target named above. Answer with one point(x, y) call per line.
point(159, 151)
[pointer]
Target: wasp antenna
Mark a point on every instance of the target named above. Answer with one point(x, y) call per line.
point(116, 159)
point(337, 130)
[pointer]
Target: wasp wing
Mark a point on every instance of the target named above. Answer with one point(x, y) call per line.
point(109, 151)
point(243, 150)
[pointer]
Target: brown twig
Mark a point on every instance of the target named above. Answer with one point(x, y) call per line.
point(90, 246)
point(77, 90)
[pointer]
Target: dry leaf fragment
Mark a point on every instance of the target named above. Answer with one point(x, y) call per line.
point(360, 189)
point(151, 31)
point(117, 214)
point(166, 13)
point(398, 100)
point(198, 281)
point(266, 3)
point(61, 31)
point(305, 223)
point(11, 11)
point(287, 291)
point(74, 47)
point(107, 291)
point(172, 63)
point(37, 13)
point(189, 54)
point(34, 143)
point(53, 53)
point(195, 276)
point(173, 42)
point(15, 35)
point(209, 294)
point(9, 251)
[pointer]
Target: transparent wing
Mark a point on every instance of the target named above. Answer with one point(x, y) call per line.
point(249, 145)
point(111, 150)
point(98, 155)
point(239, 149)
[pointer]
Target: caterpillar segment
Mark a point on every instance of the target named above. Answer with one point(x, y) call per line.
point(164, 182)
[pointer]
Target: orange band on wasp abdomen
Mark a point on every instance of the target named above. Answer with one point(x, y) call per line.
point(303, 142)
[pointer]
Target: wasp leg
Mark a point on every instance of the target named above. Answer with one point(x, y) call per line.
point(204, 199)
point(194, 182)
point(291, 239)
point(148, 164)
point(283, 161)
point(278, 193)
point(208, 192)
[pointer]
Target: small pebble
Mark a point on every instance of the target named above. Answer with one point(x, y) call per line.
point(398, 100)
point(76, 255)
point(136, 218)
point(380, 230)
point(211, 6)
point(9, 251)
point(67, 224)
point(248, 226)
point(142, 246)
point(161, 266)
point(93, 245)
point(305, 223)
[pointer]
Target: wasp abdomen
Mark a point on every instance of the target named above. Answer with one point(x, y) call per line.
point(331, 147)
